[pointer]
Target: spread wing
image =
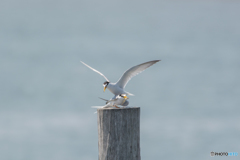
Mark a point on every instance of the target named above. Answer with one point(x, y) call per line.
point(103, 99)
point(111, 100)
point(135, 70)
point(94, 70)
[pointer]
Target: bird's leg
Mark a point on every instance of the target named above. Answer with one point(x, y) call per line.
point(116, 106)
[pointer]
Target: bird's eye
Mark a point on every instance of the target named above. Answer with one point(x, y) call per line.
point(105, 83)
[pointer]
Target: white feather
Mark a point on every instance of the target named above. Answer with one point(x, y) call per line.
point(95, 70)
point(127, 75)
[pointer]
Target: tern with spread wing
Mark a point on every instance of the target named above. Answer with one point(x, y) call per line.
point(118, 87)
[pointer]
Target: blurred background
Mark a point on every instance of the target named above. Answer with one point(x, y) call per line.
point(189, 101)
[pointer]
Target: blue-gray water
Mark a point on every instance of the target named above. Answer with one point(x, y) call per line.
point(189, 101)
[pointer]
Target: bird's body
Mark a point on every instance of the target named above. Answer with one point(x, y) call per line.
point(116, 90)
point(119, 100)
point(118, 87)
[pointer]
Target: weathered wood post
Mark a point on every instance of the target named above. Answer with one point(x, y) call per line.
point(119, 134)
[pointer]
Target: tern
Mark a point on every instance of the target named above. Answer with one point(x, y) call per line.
point(119, 100)
point(118, 87)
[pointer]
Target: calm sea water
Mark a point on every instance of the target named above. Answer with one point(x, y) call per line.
point(189, 101)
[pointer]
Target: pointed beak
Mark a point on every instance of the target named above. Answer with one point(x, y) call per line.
point(125, 97)
point(104, 88)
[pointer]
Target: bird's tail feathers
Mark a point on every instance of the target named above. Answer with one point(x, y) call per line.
point(130, 94)
point(98, 106)
point(106, 106)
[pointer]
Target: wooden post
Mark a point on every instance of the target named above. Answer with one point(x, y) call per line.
point(119, 134)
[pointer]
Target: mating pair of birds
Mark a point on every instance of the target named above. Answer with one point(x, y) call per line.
point(120, 95)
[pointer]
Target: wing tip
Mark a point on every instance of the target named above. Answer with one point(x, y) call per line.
point(83, 62)
point(153, 61)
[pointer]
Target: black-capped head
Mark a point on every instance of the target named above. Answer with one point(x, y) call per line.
point(105, 84)
point(123, 96)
